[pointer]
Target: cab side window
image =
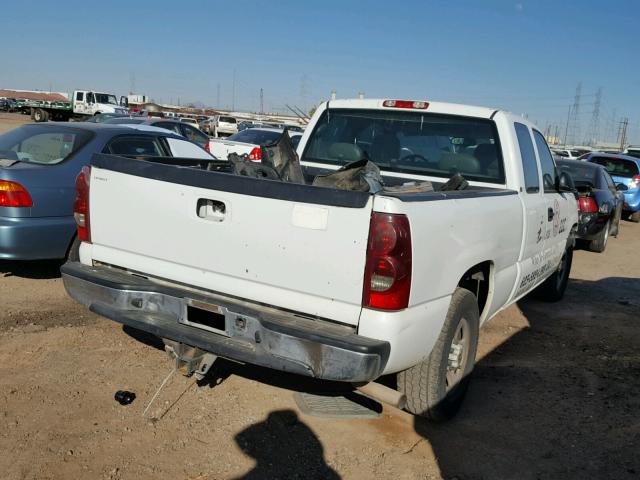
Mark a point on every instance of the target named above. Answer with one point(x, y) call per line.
point(529, 162)
point(548, 166)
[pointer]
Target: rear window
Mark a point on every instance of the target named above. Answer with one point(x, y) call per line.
point(617, 167)
point(633, 153)
point(227, 119)
point(136, 145)
point(582, 173)
point(258, 137)
point(409, 142)
point(42, 144)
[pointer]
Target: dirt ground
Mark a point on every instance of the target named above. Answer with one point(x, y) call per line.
point(555, 394)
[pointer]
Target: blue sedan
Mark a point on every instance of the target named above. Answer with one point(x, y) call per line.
point(38, 167)
point(625, 171)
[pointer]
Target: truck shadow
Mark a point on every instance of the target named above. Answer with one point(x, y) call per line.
point(34, 269)
point(559, 399)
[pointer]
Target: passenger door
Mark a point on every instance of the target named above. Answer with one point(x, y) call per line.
point(558, 219)
point(535, 211)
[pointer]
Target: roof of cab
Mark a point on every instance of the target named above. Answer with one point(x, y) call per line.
point(433, 107)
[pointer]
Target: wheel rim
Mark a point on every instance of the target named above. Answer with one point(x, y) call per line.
point(606, 234)
point(458, 355)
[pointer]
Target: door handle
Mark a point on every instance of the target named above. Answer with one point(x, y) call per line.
point(550, 213)
point(213, 210)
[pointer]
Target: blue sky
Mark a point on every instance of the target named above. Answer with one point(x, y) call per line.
point(526, 56)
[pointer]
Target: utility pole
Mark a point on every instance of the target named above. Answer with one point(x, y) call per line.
point(622, 135)
point(218, 96)
point(594, 126)
point(575, 111)
point(261, 101)
point(566, 130)
point(233, 93)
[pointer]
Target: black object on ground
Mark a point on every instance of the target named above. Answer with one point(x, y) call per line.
point(124, 397)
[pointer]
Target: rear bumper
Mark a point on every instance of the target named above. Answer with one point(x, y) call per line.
point(590, 225)
point(28, 238)
point(253, 333)
point(632, 201)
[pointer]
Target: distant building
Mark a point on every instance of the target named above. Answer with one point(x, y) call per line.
point(35, 95)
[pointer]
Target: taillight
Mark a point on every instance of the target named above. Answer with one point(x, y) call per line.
point(587, 205)
point(207, 147)
point(81, 204)
point(12, 194)
point(387, 277)
point(255, 154)
point(635, 181)
point(405, 104)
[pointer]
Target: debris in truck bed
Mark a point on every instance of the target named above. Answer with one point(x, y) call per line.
point(360, 176)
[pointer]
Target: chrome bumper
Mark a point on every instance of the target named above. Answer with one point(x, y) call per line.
point(251, 333)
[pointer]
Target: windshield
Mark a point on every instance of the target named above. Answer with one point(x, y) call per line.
point(633, 153)
point(409, 142)
point(106, 98)
point(258, 137)
point(42, 144)
point(582, 173)
point(617, 166)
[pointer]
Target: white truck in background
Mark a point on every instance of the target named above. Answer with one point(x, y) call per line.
point(334, 284)
point(83, 104)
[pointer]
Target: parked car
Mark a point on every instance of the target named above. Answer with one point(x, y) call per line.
point(191, 121)
point(224, 126)
point(599, 203)
point(633, 151)
point(624, 170)
point(566, 153)
point(38, 167)
point(179, 127)
point(249, 142)
point(331, 283)
point(8, 105)
point(205, 125)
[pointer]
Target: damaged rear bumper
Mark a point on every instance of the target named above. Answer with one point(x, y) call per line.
point(245, 332)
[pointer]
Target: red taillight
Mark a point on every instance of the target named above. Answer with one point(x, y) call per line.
point(635, 181)
point(207, 147)
point(12, 194)
point(587, 205)
point(387, 277)
point(81, 204)
point(405, 104)
point(255, 154)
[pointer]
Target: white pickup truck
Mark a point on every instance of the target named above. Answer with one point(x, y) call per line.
point(335, 284)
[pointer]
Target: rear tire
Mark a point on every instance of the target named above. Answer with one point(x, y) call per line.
point(73, 254)
point(435, 388)
point(553, 288)
point(40, 115)
point(599, 243)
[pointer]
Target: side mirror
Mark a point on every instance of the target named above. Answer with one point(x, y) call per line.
point(621, 187)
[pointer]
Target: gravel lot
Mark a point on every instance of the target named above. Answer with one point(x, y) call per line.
point(556, 394)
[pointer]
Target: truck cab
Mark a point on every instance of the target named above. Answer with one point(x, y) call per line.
point(87, 102)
